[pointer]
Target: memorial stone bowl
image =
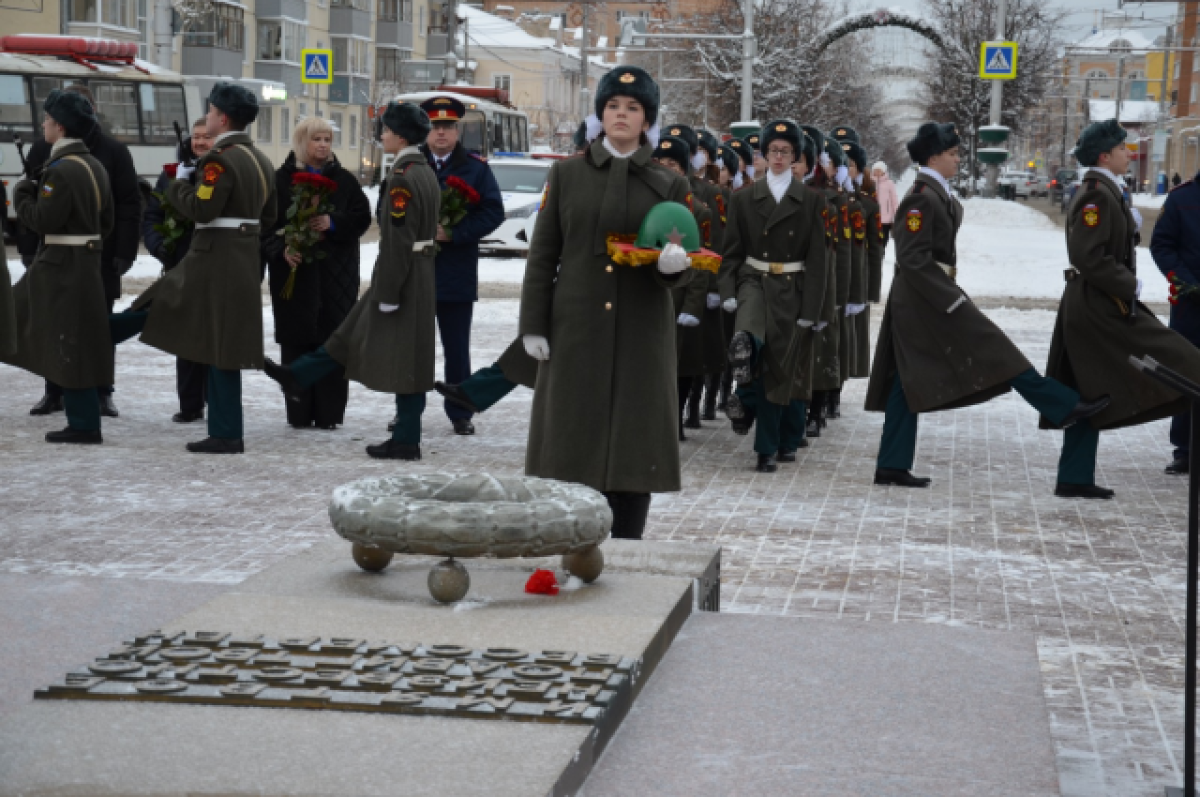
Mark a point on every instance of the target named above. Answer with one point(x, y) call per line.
point(474, 515)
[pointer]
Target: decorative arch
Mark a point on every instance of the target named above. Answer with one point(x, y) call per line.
point(879, 18)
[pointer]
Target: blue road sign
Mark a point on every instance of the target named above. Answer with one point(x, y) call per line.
point(318, 66)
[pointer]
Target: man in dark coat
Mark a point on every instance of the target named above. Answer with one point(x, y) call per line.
point(937, 350)
point(1175, 247)
point(120, 245)
point(209, 308)
point(386, 343)
point(1101, 323)
point(190, 377)
point(458, 255)
point(59, 306)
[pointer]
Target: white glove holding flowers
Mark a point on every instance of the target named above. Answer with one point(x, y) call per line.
point(183, 172)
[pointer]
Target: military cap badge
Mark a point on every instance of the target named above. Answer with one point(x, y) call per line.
point(781, 127)
point(675, 131)
point(841, 132)
point(628, 77)
point(1091, 215)
point(913, 220)
point(666, 145)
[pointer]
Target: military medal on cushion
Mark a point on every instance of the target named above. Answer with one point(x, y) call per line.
point(913, 221)
point(1091, 215)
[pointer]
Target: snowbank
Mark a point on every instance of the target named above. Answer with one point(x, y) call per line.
point(1149, 201)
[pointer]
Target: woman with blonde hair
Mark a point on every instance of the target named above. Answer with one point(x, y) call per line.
point(325, 287)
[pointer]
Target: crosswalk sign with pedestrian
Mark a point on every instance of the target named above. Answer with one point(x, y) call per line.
point(998, 60)
point(317, 66)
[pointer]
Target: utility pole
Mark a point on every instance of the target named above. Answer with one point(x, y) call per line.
point(583, 64)
point(749, 47)
point(1120, 85)
point(993, 173)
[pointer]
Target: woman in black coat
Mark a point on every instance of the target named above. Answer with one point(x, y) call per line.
point(324, 289)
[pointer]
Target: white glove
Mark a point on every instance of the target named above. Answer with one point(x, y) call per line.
point(729, 305)
point(1137, 294)
point(673, 260)
point(536, 347)
point(841, 176)
point(388, 308)
point(824, 159)
point(713, 301)
point(855, 309)
point(686, 320)
point(803, 324)
point(820, 325)
point(183, 172)
point(1137, 217)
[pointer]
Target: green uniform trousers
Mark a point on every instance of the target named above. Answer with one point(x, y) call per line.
point(487, 386)
point(83, 408)
point(1076, 465)
point(778, 427)
point(310, 368)
point(225, 419)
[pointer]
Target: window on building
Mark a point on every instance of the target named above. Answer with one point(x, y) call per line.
point(222, 27)
point(351, 56)
point(357, 5)
point(502, 82)
point(421, 20)
point(119, 108)
point(388, 10)
point(387, 64)
point(1195, 86)
point(82, 10)
point(266, 132)
point(301, 111)
point(280, 40)
point(143, 31)
point(1096, 73)
point(632, 15)
point(353, 131)
point(335, 119)
point(285, 125)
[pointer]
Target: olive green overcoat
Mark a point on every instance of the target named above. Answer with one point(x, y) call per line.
point(58, 307)
point(208, 309)
point(393, 352)
point(690, 351)
point(8, 315)
point(605, 410)
point(867, 241)
point(829, 347)
point(769, 305)
point(947, 352)
point(1094, 336)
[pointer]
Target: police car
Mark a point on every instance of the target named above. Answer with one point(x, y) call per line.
point(521, 180)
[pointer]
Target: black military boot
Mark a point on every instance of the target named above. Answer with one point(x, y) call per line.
point(630, 511)
point(47, 405)
point(107, 408)
point(390, 449)
point(712, 384)
point(1178, 467)
point(834, 406)
point(816, 410)
point(455, 395)
point(70, 435)
point(741, 355)
point(217, 445)
point(1085, 409)
point(738, 417)
point(785, 456)
point(726, 389)
point(895, 477)
point(1063, 490)
point(691, 419)
point(766, 463)
point(286, 379)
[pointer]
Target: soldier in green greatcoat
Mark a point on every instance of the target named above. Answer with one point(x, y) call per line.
point(936, 349)
point(605, 404)
point(775, 259)
point(386, 342)
point(868, 257)
point(208, 309)
point(58, 307)
point(672, 153)
point(1101, 322)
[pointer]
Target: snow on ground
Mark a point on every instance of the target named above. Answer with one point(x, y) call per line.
point(1005, 250)
point(1149, 200)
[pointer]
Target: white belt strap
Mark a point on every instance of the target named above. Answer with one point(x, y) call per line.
point(421, 246)
point(70, 240)
point(776, 268)
point(226, 224)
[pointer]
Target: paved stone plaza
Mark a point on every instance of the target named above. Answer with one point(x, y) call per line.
point(1099, 583)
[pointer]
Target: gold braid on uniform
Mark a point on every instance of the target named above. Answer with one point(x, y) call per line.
point(621, 250)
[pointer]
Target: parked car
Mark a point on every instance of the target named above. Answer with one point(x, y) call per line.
point(521, 181)
point(1024, 184)
point(1061, 182)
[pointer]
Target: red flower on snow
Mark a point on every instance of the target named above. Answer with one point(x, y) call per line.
point(317, 181)
point(460, 185)
point(542, 582)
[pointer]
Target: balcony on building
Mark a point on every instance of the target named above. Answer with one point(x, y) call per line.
point(394, 24)
point(216, 43)
point(282, 35)
point(105, 19)
point(350, 18)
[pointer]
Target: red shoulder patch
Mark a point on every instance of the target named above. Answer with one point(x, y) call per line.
point(212, 171)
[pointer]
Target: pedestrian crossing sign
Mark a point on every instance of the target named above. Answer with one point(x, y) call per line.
point(998, 60)
point(318, 66)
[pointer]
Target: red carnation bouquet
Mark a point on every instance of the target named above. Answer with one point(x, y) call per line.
point(174, 224)
point(310, 198)
point(1180, 289)
point(457, 199)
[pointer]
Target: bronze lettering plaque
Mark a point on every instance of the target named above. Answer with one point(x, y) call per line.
point(215, 668)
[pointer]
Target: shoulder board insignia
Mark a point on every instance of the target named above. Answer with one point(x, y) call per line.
point(476, 157)
point(405, 167)
point(1091, 215)
point(913, 220)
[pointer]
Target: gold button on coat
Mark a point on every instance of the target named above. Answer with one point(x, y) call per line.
point(608, 305)
point(608, 268)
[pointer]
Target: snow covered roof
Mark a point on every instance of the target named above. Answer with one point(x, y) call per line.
point(1108, 39)
point(489, 30)
point(1132, 111)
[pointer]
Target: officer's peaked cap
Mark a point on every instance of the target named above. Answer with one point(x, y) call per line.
point(443, 109)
